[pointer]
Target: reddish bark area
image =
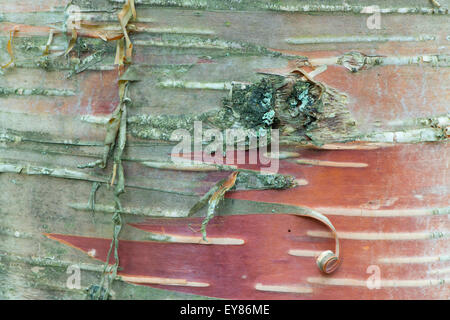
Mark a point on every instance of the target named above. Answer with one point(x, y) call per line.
point(232, 271)
point(396, 177)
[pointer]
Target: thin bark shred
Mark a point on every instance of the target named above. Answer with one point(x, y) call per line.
point(216, 197)
point(9, 48)
point(128, 11)
point(49, 42)
point(72, 42)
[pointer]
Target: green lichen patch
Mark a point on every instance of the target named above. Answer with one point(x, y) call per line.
point(87, 62)
point(247, 180)
point(311, 111)
point(159, 127)
point(30, 52)
point(95, 292)
point(35, 92)
point(286, 103)
point(303, 104)
point(253, 105)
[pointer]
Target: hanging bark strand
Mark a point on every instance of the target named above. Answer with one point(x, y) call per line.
point(128, 11)
point(9, 48)
point(115, 142)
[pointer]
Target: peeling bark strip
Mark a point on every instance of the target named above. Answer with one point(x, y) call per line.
point(162, 281)
point(195, 166)
point(247, 180)
point(355, 61)
point(407, 260)
point(314, 162)
point(215, 198)
point(291, 6)
point(36, 92)
point(374, 236)
point(327, 261)
point(360, 212)
point(354, 9)
point(351, 39)
point(383, 283)
point(173, 238)
point(283, 288)
point(53, 172)
point(47, 262)
point(410, 136)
